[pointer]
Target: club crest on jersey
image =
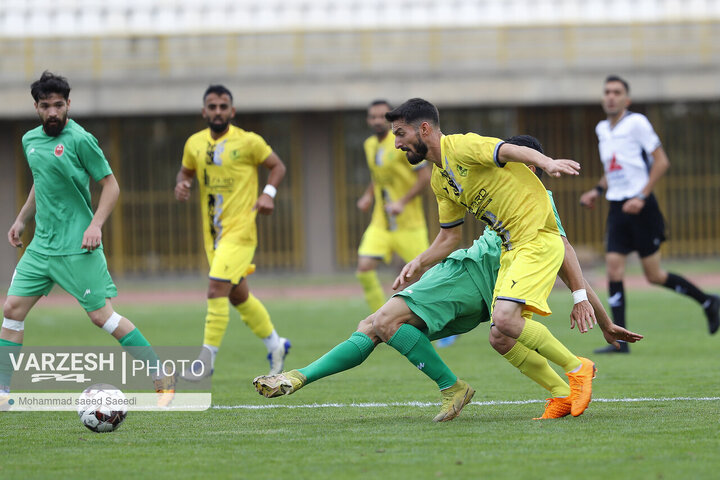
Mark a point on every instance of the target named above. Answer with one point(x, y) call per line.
point(59, 149)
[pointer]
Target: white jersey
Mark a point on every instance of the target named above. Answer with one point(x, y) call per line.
point(625, 151)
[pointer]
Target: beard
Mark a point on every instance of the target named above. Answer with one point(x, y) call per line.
point(420, 152)
point(218, 127)
point(54, 126)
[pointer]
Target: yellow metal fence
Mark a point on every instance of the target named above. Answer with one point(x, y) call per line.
point(150, 232)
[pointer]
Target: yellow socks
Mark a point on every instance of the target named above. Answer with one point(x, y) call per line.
point(536, 336)
point(534, 366)
point(216, 321)
point(374, 294)
point(255, 316)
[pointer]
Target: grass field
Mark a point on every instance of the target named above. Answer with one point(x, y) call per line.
point(656, 413)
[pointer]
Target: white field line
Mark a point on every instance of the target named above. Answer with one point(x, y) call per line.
point(434, 404)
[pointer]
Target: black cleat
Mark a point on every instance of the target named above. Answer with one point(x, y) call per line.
point(624, 348)
point(712, 312)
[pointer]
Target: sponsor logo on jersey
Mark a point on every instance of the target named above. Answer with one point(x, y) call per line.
point(59, 149)
point(614, 165)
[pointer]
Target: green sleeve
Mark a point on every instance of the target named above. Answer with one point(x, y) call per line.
point(557, 217)
point(92, 157)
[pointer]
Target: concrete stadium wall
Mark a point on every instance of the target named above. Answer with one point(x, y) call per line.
point(337, 69)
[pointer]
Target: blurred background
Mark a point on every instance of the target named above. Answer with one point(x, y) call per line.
point(302, 73)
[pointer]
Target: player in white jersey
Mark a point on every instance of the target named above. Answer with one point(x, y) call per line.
point(634, 161)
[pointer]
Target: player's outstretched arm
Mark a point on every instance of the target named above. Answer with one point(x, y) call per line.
point(26, 213)
point(183, 182)
point(515, 153)
point(265, 203)
point(611, 332)
point(443, 245)
point(583, 313)
point(108, 198)
point(588, 198)
point(571, 274)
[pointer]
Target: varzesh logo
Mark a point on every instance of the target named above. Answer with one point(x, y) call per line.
point(59, 149)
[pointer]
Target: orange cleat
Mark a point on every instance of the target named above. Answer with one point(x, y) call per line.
point(581, 386)
point(556, 407)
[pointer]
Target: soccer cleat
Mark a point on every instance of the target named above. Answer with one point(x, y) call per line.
point(624, 348)
point(446, 342)
point(453, 400)
point(199, 368)
point(165, 388)
point(271, 386)
point(556, 407)
point(581, 386)
point(712, 312)
point(277, 356)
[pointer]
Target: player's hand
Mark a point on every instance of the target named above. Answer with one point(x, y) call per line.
point(394, 208)
point(92, 238)
point(583, 316)
point(265, 204)
point(408, 275)
point(560, 167)
point(616, 332)
point(15, 233)
point(365, 202)
point(182, 190)
point(633, 206)
point(588, 198)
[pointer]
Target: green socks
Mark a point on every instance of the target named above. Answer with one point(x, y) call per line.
point(138, 346)
point(350, 353)
point(6, 348)
point(416, 347)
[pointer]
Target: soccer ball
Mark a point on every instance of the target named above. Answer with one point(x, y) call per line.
point(102, 408)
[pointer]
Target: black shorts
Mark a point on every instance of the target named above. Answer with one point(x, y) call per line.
point(643, 232)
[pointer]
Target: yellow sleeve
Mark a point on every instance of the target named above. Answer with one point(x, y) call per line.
point(260, 149)
point(188, 160)
point(481, 150)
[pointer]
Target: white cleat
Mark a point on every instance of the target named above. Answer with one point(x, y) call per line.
point(277, 356)
point(200, 368)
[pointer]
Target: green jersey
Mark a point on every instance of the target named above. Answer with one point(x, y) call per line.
point(61, 168)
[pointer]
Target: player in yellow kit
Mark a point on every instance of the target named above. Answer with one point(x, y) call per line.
point(398, 220)
point(491, 180)
point(225, 159)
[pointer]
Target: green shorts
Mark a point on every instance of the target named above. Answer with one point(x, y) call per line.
point(447, 299)
point(84, 276)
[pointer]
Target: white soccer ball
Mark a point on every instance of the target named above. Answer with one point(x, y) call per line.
point(102, 408)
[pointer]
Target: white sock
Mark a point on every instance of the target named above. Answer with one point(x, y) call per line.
point(272, 341)
point(213, 353)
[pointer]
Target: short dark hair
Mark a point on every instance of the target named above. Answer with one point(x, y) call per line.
point(48, 84)
point(380, 101)
point(217, 90)
point(530, 142)
point(617, 78)
point(415, 111)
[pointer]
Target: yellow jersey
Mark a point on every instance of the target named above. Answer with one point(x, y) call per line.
point(392, 177)
point(509, 198)
point(226, 170)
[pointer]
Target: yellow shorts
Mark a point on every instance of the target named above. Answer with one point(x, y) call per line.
point(527, 273)
point(381, 243)
point(230, 262)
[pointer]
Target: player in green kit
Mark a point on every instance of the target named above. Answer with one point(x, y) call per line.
point(67, 246)
point(452, 297)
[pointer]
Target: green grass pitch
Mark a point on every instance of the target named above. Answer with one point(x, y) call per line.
point(638, 427)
